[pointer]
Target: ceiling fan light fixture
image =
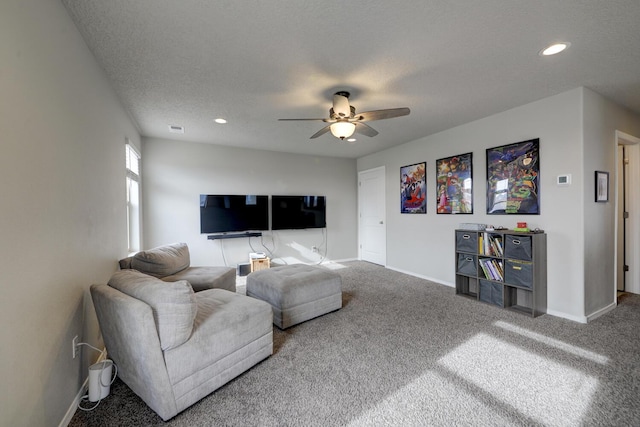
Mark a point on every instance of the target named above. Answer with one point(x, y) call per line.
point(342, 130)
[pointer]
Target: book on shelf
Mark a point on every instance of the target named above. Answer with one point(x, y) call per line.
point(485, 246)
point(498, 241)
point(485, 269)
point(494, 247)
point(499, 270)
point(492, 269)
point(490, 244)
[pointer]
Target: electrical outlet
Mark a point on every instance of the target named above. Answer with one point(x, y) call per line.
point(74, 346)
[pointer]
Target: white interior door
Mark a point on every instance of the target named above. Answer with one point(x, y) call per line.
point(623, 186)
point(372, 222)
point(632, 232)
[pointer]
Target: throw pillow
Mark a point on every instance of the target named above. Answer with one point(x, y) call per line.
point(125, 263)
point(163, 260)
point(173, 304)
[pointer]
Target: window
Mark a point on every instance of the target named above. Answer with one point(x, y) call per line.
point(133, 198)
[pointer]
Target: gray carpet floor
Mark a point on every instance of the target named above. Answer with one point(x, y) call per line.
point(408, 352)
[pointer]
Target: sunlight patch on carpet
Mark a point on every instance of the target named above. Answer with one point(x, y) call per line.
point(430, 399)
point(539, 388)
point(551, 342)
point(331, 265)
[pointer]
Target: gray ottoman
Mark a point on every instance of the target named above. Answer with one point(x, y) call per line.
point(296, 292)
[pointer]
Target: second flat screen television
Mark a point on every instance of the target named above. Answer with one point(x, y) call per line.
point(298, 212)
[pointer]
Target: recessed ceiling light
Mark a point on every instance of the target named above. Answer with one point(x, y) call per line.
point(176, 129)
point(220, 120)
point(554, 49)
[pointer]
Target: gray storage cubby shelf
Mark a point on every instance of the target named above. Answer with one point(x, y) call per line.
point(505, 268)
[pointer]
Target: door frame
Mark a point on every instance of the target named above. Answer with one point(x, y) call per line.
point(382, 170)
point(631, 239)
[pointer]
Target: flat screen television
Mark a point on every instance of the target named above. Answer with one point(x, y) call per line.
point(224, 213)
point(297, 212)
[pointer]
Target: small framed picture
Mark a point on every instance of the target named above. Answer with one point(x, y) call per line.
point(413, 188)
point(454, 192)
point(602, 187)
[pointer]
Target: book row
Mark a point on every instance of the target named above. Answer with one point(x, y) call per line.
point(490, 244)
point(492, 269)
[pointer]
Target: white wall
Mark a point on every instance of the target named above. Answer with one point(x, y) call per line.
point(424, 244)
point(174, 174)
point(601, 119)
point(63, 221)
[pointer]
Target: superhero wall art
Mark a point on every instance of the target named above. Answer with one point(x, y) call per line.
point(454, 185)
point(413, 188)
point(513, 178)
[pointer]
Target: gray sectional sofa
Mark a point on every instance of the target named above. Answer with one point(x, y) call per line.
point(177, 332)
point(174, 346)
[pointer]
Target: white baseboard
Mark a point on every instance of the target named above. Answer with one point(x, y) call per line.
point(602, 311)
point(83, 390)
point(583, 319)
point(420, 276)
point(579, 319)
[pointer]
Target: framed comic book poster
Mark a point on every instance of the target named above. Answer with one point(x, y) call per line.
point(513, 178)
point(413, 188)
point(454, 184)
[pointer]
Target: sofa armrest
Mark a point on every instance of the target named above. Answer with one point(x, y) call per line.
point(132, 341)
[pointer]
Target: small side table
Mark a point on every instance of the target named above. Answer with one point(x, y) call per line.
point(259, 264)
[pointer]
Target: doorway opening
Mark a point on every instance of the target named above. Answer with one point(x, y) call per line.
point(627, 215)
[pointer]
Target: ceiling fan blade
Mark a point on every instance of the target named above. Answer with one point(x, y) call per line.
point(389, 113)
point(364, 129)
point(289, 120)
point(322, 131)
point(341, 105)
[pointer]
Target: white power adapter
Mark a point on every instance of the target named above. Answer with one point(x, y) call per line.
point(100, 380)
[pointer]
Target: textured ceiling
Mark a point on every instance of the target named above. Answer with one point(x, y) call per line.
point(254, 61)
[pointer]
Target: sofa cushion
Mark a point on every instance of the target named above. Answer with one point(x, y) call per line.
point(226, 323)
point(173, 304)
point(163, 260)
point(202, 278)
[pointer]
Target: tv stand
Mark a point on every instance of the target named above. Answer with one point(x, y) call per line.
point(234, 235)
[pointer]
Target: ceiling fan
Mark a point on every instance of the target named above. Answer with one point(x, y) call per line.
point(343, 120)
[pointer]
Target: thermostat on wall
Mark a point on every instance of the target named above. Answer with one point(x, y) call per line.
point(564, 179)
